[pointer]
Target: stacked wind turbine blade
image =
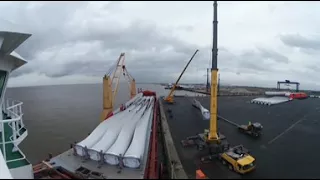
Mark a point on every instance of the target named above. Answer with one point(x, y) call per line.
point(270, 101)
point(134, 155)
point(98, 133)
point(124, 137)
point(110, 136)
point(114, 154)
point(204, 112)
point(276, 93)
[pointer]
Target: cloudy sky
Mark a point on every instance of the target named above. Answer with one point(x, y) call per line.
point(76, 42)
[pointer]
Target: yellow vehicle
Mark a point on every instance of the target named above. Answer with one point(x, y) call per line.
point(252, 129)
point(238, 159)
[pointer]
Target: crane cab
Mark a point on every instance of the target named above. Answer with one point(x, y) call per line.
point(238, 159)
point(169, 99)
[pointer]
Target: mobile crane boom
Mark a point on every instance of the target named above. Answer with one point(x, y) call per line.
point(213, 135)
point(215, 142)
point(169, 98)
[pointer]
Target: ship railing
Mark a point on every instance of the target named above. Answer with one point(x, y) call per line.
point(13, 160)
point(13, 110)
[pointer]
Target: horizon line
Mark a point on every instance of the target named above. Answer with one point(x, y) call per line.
point(225, 85)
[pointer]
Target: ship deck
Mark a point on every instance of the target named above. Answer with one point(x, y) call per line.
point(71, 163)
point(288, 146)
point(9, 154)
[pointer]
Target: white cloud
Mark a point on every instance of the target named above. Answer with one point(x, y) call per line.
point(259, 42)
point(35, 79)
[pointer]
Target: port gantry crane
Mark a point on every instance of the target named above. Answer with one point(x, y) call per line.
point(288, 82)
point(237, 158)
point(169, 98)
point(113, 77)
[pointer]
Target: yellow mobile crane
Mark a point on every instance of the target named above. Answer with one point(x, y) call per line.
point(237, 158)
point(113, 76)
point(169, 98)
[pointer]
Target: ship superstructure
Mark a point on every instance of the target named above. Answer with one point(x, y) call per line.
point(13, 163)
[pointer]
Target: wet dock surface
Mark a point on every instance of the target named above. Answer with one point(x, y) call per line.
point(288, 147)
